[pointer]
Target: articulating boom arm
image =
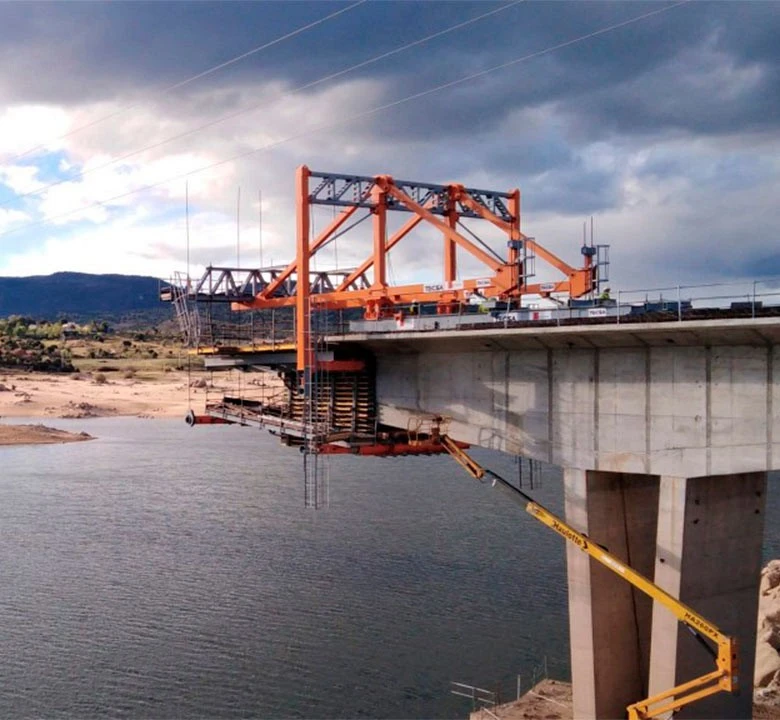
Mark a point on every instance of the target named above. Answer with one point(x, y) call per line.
point(722, 679)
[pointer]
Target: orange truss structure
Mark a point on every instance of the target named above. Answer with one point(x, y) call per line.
point(440, 206)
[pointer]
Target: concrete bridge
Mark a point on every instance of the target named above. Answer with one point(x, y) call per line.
point(665, 432)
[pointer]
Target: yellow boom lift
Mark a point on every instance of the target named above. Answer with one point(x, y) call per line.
point(722, 679)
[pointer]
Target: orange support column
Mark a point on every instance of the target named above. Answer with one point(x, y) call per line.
point(447, 305)
point(380, 234)
point(303, 342)
point(515, 234)
point(450, 247)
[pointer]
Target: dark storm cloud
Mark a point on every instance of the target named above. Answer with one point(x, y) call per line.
point(760, 266)
point(723, 173)
point(572, 190)
point(660, 73)
point(77, 51)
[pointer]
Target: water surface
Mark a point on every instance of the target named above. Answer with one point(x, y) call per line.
point(161, 571)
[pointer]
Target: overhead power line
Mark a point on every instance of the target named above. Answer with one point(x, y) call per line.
point(262, 103)
point(193, 78)
point(358, 115)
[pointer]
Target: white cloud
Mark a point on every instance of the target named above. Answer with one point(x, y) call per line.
point(25, 127)
point(651, 218)
point(20, 179)
point(11, 218)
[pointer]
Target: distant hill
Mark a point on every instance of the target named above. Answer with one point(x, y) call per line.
point(80, 296)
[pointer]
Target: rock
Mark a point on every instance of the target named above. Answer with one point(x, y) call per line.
point(767, 668)
point(767, 665)
point(770, 577)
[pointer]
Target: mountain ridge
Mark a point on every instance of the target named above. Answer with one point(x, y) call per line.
point(78, 295)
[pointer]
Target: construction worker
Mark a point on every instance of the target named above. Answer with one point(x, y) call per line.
point(413, 308)
point(605, 295)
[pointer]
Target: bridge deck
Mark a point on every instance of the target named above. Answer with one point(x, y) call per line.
point(743, 331)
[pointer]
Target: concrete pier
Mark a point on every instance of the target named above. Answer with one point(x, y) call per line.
point(610, 667)
point(710, 534)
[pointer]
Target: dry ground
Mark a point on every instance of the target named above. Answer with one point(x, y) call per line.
point(153, 394)
point(551, 700)
point(548, 700)
point(37, 435)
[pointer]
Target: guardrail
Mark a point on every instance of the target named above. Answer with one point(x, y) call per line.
point(743, 299)
point(750, 295)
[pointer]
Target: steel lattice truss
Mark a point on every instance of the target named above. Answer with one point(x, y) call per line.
point(242, 285)
point(356, 190)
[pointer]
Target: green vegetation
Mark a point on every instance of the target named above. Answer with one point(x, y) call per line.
point(28, 345)
point(95, 346)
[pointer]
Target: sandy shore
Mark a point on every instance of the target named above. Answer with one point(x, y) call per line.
point(42, 395)
point(38, 435)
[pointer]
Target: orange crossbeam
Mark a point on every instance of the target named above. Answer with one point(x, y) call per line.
point(395, 294)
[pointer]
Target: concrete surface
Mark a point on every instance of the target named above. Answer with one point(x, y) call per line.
point(609, 620)
point(659, 404)
point(710, 532)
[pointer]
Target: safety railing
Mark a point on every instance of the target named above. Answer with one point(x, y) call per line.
point(739, 299)
point(480, 697)
point(745, 297)
point(219, 327)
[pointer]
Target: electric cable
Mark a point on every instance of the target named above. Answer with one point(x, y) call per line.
point(188, 80)
point(255, 106)
point(354, 116)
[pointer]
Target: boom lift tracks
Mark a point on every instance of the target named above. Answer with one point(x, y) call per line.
point(723, 679)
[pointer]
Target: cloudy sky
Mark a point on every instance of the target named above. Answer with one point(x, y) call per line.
point(661, 125)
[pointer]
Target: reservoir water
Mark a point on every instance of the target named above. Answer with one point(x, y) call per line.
point(161, 571)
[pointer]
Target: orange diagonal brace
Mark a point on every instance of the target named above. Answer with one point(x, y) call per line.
point(334, 225)
point(549, 257)
point(483, 212)
point(392, 241)
point(402, 197)
point(515, 234)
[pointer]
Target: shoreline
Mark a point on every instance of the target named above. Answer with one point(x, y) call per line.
point(13, 435)
point(38, 397)
point(84, 395)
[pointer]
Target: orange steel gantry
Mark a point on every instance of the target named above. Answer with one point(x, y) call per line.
point(440, 206)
